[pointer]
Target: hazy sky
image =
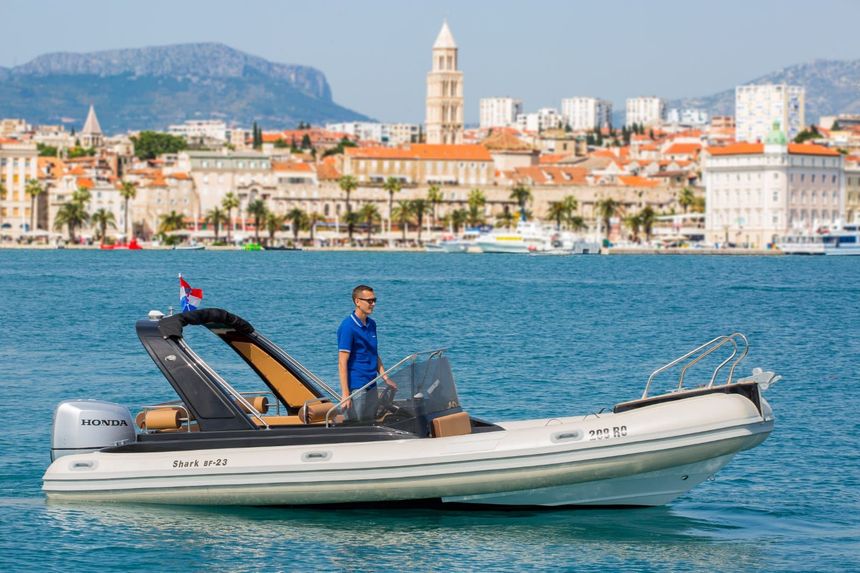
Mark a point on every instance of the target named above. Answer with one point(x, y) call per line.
point(376, 53)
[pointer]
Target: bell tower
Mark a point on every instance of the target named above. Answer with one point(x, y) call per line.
point(444, 120)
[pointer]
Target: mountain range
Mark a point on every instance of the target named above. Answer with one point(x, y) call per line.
point(151, 88)
point(832, 87)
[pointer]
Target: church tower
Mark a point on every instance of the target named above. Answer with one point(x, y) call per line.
point(91, 134)
point(444, 120)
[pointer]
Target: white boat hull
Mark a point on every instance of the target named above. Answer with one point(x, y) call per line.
point(646, 456)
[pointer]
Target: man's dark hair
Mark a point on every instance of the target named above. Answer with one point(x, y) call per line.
point(358, 290)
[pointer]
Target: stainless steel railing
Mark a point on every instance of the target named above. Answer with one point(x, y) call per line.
point(431, 354)
point(694, 356)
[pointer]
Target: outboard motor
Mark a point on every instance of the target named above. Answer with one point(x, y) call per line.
point(82, 426)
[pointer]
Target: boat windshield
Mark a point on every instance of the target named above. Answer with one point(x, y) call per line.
point(424, 390)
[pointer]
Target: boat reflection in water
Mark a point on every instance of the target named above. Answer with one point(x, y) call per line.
point(218, 446)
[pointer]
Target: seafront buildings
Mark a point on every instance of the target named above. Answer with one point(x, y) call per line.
point(680, 168)
point(756, 192)
point(758, 106)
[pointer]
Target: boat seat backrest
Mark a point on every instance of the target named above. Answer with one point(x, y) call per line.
point(315, 412)
point(458, 424)
point(284, 383)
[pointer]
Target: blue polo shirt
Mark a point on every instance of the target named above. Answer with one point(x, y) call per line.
point(360, 341)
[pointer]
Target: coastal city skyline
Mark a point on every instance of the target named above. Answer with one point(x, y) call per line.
point(524, 54)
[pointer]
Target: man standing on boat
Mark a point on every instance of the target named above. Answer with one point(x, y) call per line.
point(358, 359)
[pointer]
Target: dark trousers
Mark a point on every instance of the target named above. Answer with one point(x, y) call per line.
point(363, 408)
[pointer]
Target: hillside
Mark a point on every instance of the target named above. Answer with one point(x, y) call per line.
point(151, 88)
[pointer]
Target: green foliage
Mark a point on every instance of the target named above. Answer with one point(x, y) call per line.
point(807, 134)
point(338, 149)
point(281, 144)
point(151, 144)
point(78, 151)
point(257, 209)
point(216, 216)
point(306, 142)
point(46, 150)
point(522, 195)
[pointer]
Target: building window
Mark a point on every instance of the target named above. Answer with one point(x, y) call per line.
point(776, 195)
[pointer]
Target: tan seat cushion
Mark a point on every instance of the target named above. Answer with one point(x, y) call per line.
point(457, 424)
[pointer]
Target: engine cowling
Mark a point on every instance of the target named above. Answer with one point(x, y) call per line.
point(82, 426)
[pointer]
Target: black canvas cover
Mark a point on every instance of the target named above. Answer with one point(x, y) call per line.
point(171, 326)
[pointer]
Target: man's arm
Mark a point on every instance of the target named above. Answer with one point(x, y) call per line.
point(342, 360)
point(381, 370)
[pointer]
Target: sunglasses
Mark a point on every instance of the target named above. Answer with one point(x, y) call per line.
point(369, 300)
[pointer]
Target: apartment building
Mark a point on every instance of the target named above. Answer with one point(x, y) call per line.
point(648, 111)
point(499, 111)
point(757, 107)
point(586, 113)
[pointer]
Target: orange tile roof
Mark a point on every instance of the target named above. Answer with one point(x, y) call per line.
point(811, 149)
point(636, 181)
point(291, 166)
point(424, 151)
point(604, 153)
point(550, 175)
point(756, 148)
point(327, 170)
point(180, 175)
point(738, 149)
point(550, 158)
point(683, 149)
point(85, 182)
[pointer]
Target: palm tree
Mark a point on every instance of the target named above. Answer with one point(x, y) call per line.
point(635, 223)
point(102, 219)
point(606, 209)
point(419, 206)
point(2, 198)
point(458, 218)
point(257, 209)
point(392, 185)
point(348, 184)
point(476, 202)
point(173, 221)
point(686, 198)
point(127, 191)
point(576, 223)
point(216, 216)
point(81, 196)
point(33, 188)
point(230, 202)
point(647, 217)
point(557, 212)
point(312, 220)
point(505, 220)
point(72, 215)
point(434, 196)
point(274, 222)
point(403, 215)
point(297, 218)
point(522, 195)
point(369, 214)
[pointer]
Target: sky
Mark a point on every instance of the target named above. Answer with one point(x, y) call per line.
point(376, 53)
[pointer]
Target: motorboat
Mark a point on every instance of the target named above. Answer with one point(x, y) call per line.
point(190, 246)
point(452, 244)
point(528, 237)
point(132, 245)
point(836, 240)
point(297, 442)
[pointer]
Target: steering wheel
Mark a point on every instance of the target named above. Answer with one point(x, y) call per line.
point(386, 402)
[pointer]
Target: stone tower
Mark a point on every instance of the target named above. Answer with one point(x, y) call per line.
point(91, 134)
point(444, 121)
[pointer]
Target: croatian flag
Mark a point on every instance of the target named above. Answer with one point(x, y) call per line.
point(189, 298)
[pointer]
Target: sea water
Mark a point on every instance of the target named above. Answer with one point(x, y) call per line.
point(528, 337)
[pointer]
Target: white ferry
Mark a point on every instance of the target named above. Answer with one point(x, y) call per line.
point(839, 240)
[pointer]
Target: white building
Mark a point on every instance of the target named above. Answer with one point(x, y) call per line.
point(586, 113)
point(758, 106)
point(388, 133)
point(648, 111)
point(18, 165)
point(687, 116)
point(500, 111)
point(200, 129)
point(540, 120)
point(755, 192)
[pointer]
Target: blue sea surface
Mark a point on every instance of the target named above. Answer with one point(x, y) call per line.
point(528, 337)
